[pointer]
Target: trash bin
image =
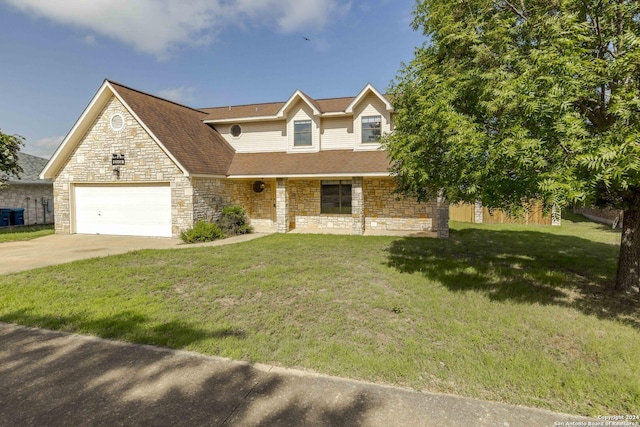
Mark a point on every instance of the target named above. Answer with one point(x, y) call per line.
point(5, 217)
point(17, 216)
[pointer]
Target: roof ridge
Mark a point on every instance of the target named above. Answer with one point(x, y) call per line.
point(244, 105)
point(154, 96)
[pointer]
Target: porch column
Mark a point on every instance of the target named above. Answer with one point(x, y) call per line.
point(282, 205)
point(443, 218)
point(357, 206)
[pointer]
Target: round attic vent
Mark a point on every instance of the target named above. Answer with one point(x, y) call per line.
point(117, 122)
point(236, 130)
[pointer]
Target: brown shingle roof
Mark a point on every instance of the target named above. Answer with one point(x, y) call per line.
point(347, 162)
point(329, 105)
point(197, 147)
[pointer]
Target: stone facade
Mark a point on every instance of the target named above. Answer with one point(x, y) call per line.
point(29, 197)
point(385, 210)
point(90, 163)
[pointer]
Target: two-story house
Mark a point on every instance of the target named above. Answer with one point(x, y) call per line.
point(136, 164)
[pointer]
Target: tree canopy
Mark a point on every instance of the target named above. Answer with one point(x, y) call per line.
point(9, 148)
point(513, 101)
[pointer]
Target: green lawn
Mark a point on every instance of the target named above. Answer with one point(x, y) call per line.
point(14, 234)
point(510, 313)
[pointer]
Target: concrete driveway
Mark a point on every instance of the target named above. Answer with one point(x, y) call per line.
point(63, 248)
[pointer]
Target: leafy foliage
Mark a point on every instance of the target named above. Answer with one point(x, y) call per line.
point(202, 231)
point(233, 220)
point(514, 101)
point(9, 148)
point(510, 101)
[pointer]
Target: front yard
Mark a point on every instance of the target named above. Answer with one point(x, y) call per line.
point(506, 312)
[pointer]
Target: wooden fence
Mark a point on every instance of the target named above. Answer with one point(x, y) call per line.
point(466, 212)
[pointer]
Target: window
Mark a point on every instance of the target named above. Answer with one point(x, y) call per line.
point(335, 197)
point(117, 122)
point(236, 130)
point(371, 128)
point(302, 133)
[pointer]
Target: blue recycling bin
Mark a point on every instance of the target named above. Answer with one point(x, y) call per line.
point(5, 217)
point(17, 216)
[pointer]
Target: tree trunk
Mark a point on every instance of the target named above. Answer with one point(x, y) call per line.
point(628, 274)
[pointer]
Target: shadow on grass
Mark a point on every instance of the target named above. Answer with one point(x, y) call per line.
point(522, 266)
point(51, 378)
point(125, 326)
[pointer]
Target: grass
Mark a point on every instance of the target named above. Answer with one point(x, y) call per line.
point(508, 313)
point(27, 232)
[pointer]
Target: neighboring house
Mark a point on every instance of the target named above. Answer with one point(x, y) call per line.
point(136, 164)
point(29, 192)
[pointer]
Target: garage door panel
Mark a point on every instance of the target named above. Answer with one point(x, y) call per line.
point(129, 210)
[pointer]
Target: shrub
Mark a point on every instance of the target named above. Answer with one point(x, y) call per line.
point(202, 231)
point(233, 220)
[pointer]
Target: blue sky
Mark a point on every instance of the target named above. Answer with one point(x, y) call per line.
point(54, 54)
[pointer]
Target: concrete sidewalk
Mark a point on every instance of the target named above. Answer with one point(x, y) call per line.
point(62, 248)
point(57, 379)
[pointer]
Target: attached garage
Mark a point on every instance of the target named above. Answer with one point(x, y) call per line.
point(123, 209)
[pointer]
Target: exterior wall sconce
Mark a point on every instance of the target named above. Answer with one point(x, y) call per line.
point(116, 171)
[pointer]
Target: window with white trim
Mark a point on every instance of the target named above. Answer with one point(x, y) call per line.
point(371, 128)
point(302, 133)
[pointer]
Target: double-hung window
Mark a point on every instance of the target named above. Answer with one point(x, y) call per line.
point(302, 133)
point(335, 197)
point(371, 128)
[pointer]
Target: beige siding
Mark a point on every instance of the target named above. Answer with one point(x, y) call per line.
point(371, 105)
point(257, 137)
point(302, 111)
point(337, 133)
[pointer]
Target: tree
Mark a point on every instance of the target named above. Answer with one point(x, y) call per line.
point(513, 101)
point(9, 148)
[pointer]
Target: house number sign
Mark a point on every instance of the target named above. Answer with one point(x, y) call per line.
point(117, 159)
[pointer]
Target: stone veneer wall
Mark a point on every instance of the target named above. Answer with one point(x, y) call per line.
point(384, 211)
point(90, 163)
point(209, 196)
point(15, 196)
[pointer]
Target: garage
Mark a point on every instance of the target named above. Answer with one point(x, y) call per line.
point(123, 209)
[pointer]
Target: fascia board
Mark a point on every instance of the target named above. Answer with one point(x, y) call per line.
point(368, 88)
point(78, 130)
point(313, 176)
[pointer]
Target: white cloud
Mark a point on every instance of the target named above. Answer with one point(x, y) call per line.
point(181, 95)
point(157, 27)
point(43, 147)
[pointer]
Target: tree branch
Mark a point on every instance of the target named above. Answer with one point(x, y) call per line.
point(521, 14)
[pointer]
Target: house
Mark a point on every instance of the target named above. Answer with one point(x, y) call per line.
point(137, 164)
point(29, 192)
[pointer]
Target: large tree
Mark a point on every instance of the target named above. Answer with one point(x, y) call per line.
point(9, 148)
point(520, 100)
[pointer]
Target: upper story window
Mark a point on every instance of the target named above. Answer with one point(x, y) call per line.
point(371, 128)
point(302, 133)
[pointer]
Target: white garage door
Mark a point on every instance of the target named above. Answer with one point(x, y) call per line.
point(126, 210)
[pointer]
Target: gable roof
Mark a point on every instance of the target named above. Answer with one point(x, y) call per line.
point(200, 149)
point(276, 110)
point(195, 147)
point(31, 168)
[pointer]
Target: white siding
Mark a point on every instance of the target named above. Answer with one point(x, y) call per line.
point(337, 133)
point(371, 105)
point(257, 137)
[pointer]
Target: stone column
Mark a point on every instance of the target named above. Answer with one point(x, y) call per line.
point(478, 213)
point(443, 218)
point(357, 206)
point(556, 215)
point(282, 205)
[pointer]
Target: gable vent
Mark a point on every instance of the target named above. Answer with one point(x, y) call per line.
point(117, 122)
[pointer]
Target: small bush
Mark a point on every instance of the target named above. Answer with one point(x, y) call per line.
point(233, 220)
point(202, 231)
